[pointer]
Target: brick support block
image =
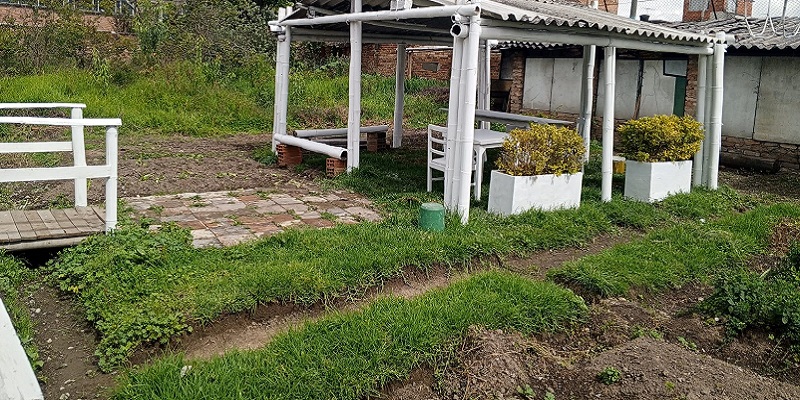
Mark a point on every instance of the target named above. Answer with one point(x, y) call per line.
point(289, 156)
point(334, 167)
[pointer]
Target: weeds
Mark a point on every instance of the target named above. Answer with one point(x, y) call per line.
point(609, 376)
point(12, 277)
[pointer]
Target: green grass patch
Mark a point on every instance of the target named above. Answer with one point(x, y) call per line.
point(13, 276)
point(351, 355)
point(186, 98)
point(676, 255)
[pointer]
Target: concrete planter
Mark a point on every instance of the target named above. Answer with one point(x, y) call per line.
point(651, 182)
point(516, 194)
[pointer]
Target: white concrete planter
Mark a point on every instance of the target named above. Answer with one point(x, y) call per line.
point(651, 182)
point(516, 194)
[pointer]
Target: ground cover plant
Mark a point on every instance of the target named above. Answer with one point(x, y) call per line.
point(140, 287)
point(351, 355)
point(671, 257)
point(13, 276)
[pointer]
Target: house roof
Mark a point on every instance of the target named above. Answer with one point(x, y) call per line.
point(751, 33)
point(541, 15)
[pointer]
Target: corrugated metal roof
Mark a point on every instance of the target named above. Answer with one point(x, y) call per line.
point(560, 15)
point(549, 13)
point(752, 33)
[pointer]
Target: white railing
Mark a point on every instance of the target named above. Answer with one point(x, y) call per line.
point(79, 172)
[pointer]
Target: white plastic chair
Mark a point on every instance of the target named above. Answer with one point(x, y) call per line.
point(436, 156)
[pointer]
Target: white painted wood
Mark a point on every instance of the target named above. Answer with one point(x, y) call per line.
point(79, 158)
point(607, 167)
point(36, 147)
point(399, 95)
point(112, 140)
point(17, 379)
point(61, 121)
point(24, 106)
point(516, 194)
point(52, 174)
point(651, 182)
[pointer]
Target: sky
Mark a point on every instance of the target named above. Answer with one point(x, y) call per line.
point(672, 10)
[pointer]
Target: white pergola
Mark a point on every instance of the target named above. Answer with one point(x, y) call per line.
point(467, 27)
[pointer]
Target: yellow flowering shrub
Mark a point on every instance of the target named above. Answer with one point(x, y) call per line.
point(540, 150)
point(661, 138)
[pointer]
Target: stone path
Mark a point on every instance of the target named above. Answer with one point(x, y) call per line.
point(229, 218)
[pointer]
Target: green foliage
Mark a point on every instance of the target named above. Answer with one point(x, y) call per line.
point(661, 138)
point(673, 256)
point(609, 376)
point(12, 277)
point(351, 355)
point(769, 301)
point(265, 155)
point(540, 150)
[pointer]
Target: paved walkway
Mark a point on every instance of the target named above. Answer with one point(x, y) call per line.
point(228, 218)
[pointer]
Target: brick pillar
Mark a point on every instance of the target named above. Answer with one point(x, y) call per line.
point(517, 81)
point(691, 87)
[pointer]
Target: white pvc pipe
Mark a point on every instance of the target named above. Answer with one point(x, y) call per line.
point(707, 118)
point(79, 158)
point(608, 122)
point(716, 111)
point(452, 121)
point(23, 106)
point(309, 133)
point(321, 35)
point(354, 116)
point(357, 16)
point(483, 88)
point(700, 115)
point(399, 96)
point(587, 94)
point(310, 145)
point(468, 93)
point(112, 140)
point(512, 34)
point(282, 58)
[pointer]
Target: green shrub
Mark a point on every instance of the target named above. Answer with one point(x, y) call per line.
point(12, 277)
point(661, 138)
point(542, 149)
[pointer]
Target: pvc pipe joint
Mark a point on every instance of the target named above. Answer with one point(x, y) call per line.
point(459, 31)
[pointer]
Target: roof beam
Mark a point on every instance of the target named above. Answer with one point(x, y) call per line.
point(421, 12)
point(321, 35)
point(524, 35)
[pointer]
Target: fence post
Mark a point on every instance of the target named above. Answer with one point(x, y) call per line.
point(111, 183)
point(79, 158)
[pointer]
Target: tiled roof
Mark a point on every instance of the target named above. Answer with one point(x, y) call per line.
point(752, 33)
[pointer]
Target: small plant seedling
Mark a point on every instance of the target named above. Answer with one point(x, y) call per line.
point(609, 375)
point(549, 396)
point(526, 391)
point(641, 331)
point(688, 344)
point(328, 216)
point(669, 385)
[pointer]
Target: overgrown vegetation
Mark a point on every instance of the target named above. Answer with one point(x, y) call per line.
point(351, 355)
point(770, 300)
point(542, 149)
point(13, 275)
point(674, 256)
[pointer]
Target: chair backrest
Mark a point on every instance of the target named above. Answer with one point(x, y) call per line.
point(436, 145)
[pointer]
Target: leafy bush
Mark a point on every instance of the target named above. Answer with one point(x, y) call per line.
point(661, 138)
point(12, 277)
point(542, 149)
point(751, 300)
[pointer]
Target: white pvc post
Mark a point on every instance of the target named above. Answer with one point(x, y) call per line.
point(283, 54)
point(354, 116)
point(716, 111)
point(707, 119)
point(452, 121)
point(608, 122)
point(399, 96)
point(111, 184)
point(79, 158)
point(469, 85)
point(587, 93)
point(700, 114)
point(483, 84)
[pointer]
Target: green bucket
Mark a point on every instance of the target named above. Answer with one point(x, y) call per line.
point(431, 217)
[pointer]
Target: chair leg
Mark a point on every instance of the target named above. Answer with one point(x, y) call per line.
point(430, 180)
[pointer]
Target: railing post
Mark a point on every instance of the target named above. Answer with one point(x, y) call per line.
point(79, 158)
point(111, 183)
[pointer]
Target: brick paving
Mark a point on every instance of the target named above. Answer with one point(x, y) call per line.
point(228, 218)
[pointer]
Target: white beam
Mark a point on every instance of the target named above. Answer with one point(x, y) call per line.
point(25, 106)
point(716, 111)
point(112, 163)
point(469, 85)
point(354, 115)
point(587, 94)
point(282, 58)
point(707, 118)
point(357, 16)
point(514, 34)
point(61, 121)
point(399, 96)
point(700, 115)
point(37, 147)
point(609, 69)
point(452, 121)
point(322, 35)
point(79, 157)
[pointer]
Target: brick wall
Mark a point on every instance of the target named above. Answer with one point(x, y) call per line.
point(787, 154)
point(743, 7)
point(517, 81)
point(28, 16)
point(433, 64)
